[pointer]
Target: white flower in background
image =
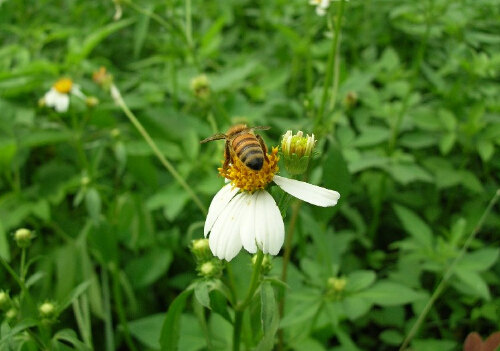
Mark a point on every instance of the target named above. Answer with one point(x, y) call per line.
point(244, 214)
point(321, 6)
point(58, 96)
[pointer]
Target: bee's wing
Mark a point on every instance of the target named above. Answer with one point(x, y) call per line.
point(261, 128)
point(216, 136)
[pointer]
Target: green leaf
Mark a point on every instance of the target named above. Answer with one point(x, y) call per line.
point(418, 140)
point(69, 335)
point(355, 306)
point(93, 204)
point(485, 149)
point(407, 173)
point(447, 119)
point(157, 261)
point(391, 337)
point(414, 226)
point(479, 260)
point(268, 306)
point(433, 345)
point(78, 52)
point(170, 331)
point(387, 293)
point(201, 293)
point(8, 149)
point(446, 142)
point(141, 29)
point(4, 244)
point(359, 280)
point(269, 317)
point(77, 291)
point(147, 330)
point(45, 137)
point(372, 135)
point(474, 283)
point(300, 313)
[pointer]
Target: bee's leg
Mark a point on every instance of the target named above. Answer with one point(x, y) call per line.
point(227, 156)
point(263, 146)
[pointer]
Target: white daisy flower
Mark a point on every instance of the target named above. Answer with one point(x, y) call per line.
point(321, 6)
point(58, 96)
point(244, 214)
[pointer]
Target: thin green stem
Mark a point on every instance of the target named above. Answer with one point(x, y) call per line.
point(449, 272)
point(22, 273)
point(108, 318)
point(119, 100)
point(238, 323)
point(254, 282)
point(189, 34)
point(117, 295)
point(287, 252)
point(415, 69)
point(82, 316)
point(330, 65)
point(240, 307)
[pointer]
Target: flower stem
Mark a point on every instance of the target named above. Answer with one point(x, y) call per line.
point(330, 66)
point(119, 308)
point(240, 307)
point(449, 272)
point(119, 100)
point(108, 318)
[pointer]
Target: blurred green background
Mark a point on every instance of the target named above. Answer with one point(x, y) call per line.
point(408, 132)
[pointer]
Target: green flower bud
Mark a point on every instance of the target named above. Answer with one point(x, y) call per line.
point(5, 301)
point(335, 287)
point(201, 250)
point(297, 151)
point(11, 314)
point(211, 269)
point(267, 263)
point(48, 312)
point(23, 237)
point(200, 86)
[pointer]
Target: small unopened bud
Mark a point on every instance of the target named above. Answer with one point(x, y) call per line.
point(103, 78)
point(267, 263)
point(5, 301)
point(85, 180)
point(91, 101)
point(297, 151)
point(351, 99)
point(201, 250)
point(23, 237)
point(200, 86)
point(11, 314)
point(211, 269)
point(115, 132)
point(337, 284)
point(41, 102)
point(47, 311)
point(335, 287)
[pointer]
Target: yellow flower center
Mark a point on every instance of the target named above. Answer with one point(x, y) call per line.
point(63, 85)
point(249, 180)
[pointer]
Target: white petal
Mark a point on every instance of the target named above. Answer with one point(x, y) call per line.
point(249, 223)
point(224, 239)
point(219, 202)
point(313, 194)
point(57, 100)
point(270, 229)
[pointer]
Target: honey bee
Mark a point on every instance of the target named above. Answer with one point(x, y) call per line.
point(243, 144)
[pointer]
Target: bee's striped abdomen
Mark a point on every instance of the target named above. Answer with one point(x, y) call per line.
point(247, 148)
